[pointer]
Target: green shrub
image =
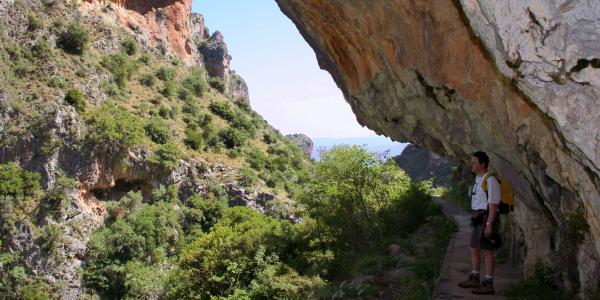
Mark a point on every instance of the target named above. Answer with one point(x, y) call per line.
point(75, 39)
point(247, 177)
point(217, 84)
point(257, 158)
point(158, 131)
point(113, 128)
point(196, 83)
point(232, 137)
point(51, 238)
point(42, 50)
point(166, 155)
point(165, 74)
point(34, 23)
point(145, 58)
point(75, 98)
point(222, 109)
point(245, 124)
point(130, 47)
point(269, 138)
point(169, 89)
point(121, 67)
point(148, 80)
point(350, 193)
point(146, 237)
point(194, 139)
point(23, 70)
point(239, 258)
point(17, 182)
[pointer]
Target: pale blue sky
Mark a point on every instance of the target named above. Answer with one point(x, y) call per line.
point(286, 85)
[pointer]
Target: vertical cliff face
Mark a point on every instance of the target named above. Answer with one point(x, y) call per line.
point(517, 80)
point(168, 23)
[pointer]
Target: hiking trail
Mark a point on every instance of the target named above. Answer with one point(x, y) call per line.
point(457, 264)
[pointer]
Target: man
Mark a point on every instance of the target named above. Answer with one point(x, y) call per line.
point(485, 222)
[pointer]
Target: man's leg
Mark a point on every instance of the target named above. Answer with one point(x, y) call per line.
point(475, 260)
point(488, 255)
point(474, 279)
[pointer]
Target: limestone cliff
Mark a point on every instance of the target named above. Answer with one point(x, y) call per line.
point(517, 79)
point(168, 23)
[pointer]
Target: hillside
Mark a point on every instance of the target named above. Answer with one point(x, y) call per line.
point(92, 111)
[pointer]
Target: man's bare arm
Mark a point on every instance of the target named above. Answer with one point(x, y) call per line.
point(492, 212)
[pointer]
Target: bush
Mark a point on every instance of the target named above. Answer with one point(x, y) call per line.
point(75, 39)
point(239, 258)
point(196, 83)
point(18, 183)
point(245, 124)
point(247, 177)
point(217, 84)
point(349, 192)
point(193, 139)
point(42, 50)
point(148, 80)
point(166, 155)
point(232, 137)
point(222, 109)
point(145, 58)
point(75, 98)
point(158, 131)
point(121, 67)
point(130, 47)
point(169, 89)
point(34, 23)
point(165, 74)
point(113, 128)
point(144, 237)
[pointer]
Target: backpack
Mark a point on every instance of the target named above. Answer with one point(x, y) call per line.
point(507, 197)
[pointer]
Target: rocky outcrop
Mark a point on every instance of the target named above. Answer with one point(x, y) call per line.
point(420, 164)
point(517, 79)
point(168, 24)
point(303, 141)
point(216, 57)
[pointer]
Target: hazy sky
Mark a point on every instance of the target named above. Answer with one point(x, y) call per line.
point(286, 85)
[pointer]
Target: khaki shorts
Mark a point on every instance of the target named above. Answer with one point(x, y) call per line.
point(478, 241)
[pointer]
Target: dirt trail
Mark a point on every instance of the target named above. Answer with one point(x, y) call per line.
point(457, 265)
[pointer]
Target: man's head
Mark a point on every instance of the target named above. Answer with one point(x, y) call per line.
point(479, 162)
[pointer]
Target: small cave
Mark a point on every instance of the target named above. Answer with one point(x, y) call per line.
point(120, 189)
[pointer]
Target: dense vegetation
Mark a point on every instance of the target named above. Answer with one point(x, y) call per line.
point(344, 211)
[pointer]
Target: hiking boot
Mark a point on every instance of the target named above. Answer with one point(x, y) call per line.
point(472, 282)
point(487, 288)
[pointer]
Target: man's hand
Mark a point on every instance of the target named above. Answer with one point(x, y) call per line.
point(488, 231)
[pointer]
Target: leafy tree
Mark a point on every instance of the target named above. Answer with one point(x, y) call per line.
point(75, 39)
point(113, 128)
point(158, 131)
point(75, 98)
point(167, 155)
point(121, 67)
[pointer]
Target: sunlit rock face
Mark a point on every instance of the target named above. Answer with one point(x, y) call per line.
point(167, 23)
point(517, 79)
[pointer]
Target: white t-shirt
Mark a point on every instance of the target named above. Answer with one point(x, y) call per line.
point(479, 200)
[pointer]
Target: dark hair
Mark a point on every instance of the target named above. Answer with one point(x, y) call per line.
point(482, 157)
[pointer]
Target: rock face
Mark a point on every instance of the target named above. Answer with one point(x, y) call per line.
point(516, 79)
point(303, 141)
point(216, 57)
point(420, 164)
point(168, 23)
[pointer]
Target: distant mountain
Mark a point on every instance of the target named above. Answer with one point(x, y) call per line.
point(377, 144)
point(421, 164)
